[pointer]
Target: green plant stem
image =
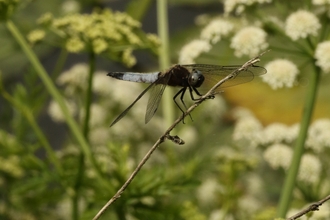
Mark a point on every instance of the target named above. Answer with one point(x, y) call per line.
point(56, 95)
point(290, 180)
point(40, 135)
point(88, 101)
point(77, 186)
point(164, 62)
point(164, 59)
point(81, 160)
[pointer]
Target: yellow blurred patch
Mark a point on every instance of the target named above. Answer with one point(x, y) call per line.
point(282, 105)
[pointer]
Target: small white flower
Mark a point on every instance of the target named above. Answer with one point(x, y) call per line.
point(99, 135)
point(126, 129)
point(216, 29)
point(221, 214)
point(322, 56)
point(56, 113)
point(74, 78)
point(129, 94)
point(240, 113)
point(207, 192)
point(320, 2)
point(280, 73)
point(300, 24)
point(292, 133)
point(274, 133)
point(249, 204)
point(220, 105)
point(310, 169)
point(230, 5)
point(318, 135)
point(248, 128)
point(102, 84)
point(192, 50)
point(188, 133)
point(255, 184)
point(63, 208)
point(249, 41)
point(202, 19)
point(70, 7)
point(147, 200)
point(278, 155)
point(97, 115)
point(292, 212)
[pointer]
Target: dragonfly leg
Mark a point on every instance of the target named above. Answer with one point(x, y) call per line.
point(197, 92)
point(181, 98)
point(191, 93)
point(182, 92)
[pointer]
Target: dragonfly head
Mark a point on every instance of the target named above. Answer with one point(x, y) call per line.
point(196, 78)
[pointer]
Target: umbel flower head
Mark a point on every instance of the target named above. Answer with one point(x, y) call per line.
point(216, 29)
point(249, 41)
point(192, 50)
point(281, 73)
point(300, 24)
point(238, 6)
point(322, 56)
point(114, 34)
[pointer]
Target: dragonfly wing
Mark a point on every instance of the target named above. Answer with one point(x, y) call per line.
point(154, 100)
point(156, 95)
point(215, 73)
point(131, 105)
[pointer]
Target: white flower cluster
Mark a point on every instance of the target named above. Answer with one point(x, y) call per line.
point(310, 169)
point(280, 73)
point(74, 78)
point(216, 29)
point(279, 133)
point(301, 24)
point(101, 85)
point(56, 113)
point(98, 115)
point(278, 138)
point(211, 34)
point(206, 193)
point(278, 156)
point(248, 128)
point(322, 56)
point(240, 5)
point(192, 50)
point(319, 135)
point(321, 2)
point(249, 41)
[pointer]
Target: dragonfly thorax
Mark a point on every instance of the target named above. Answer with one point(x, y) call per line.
point(196, 78)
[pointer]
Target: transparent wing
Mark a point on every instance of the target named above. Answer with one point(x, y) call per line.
point(154, 100)
point(131, 105)
point(215, 73)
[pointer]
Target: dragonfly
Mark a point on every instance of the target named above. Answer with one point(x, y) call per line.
point(196, 78)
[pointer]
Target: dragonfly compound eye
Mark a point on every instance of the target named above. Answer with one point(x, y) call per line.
point(196, 78)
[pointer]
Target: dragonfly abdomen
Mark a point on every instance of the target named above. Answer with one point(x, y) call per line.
point(135, 77)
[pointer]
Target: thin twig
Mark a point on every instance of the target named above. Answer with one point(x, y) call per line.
point(312, 207)
point(175, 139)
